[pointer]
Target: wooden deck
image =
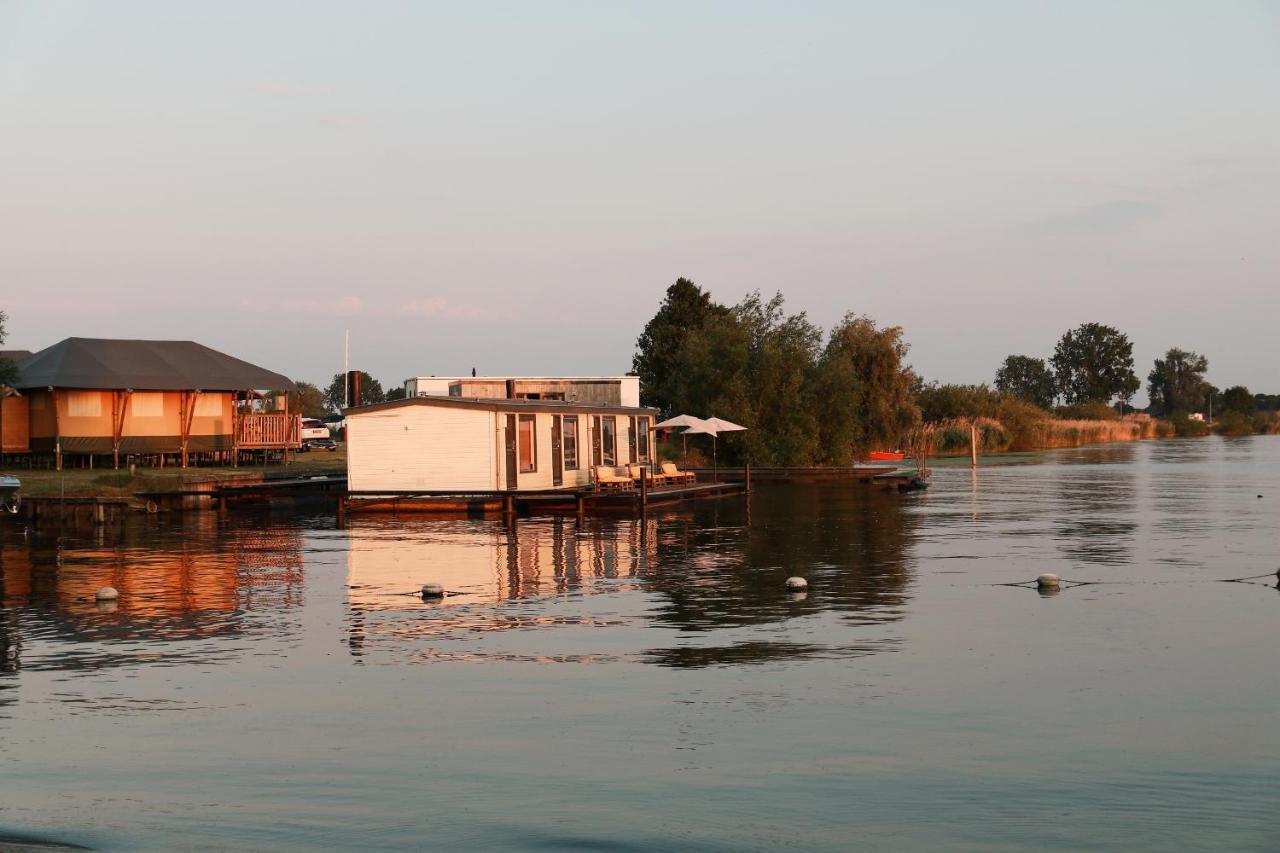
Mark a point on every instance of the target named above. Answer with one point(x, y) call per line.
point(577, 501)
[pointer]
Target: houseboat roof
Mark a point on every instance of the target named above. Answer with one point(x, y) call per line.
point(15, 354)
point(503, 404)
point(105, 364)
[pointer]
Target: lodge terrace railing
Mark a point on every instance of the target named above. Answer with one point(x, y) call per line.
point(270, 431)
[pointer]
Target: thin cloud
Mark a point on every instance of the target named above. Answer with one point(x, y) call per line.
point(279, 89)
point(343, 306)
point(1107, 217)
point(438, 307)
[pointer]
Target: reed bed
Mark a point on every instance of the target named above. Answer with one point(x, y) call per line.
point(1031, 433)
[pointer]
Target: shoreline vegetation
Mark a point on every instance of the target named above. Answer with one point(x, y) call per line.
point(814, 397)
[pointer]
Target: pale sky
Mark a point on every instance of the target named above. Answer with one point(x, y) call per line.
point(512, 186)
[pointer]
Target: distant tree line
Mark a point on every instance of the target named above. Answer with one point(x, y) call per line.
point(808, 397)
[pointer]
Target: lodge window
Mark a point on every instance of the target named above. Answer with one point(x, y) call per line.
point(595, 441)
point(527, 446)
point(570, 441)
point(609, 439)
point(642, 439)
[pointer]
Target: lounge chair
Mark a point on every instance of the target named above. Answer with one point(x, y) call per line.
point(635, 471)
point(675, 475)
point(608, 477)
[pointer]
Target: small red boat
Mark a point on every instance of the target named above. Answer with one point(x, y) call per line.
point(886, 456)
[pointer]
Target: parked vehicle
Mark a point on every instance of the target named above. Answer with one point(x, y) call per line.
point(313, 429)
point(319, 444)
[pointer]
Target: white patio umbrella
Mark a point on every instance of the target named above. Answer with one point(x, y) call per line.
point(713, 427)
point(679, 422)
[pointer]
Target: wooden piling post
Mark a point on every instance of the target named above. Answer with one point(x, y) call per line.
point(581, 506)
point(973, 445)
point(644, 487)
point(99, 514)
point(747, 475)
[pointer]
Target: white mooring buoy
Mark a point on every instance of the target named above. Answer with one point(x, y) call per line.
point(1048, 580)
point(107, 593)
point(797, 584)
point(432, 590)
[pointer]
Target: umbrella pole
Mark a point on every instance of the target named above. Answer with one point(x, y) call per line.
point(715, 464)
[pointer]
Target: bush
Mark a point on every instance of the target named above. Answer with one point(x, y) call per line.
point(1184, 426)
point(1094, 410)
point(1237, 423)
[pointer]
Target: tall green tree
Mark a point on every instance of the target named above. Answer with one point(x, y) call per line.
point(8, 369)
point(309, 401)
point(685, 310)
point(1028, 378)
point(781, 358)
point(370, 391)
point(1095, 362)
point(1176, 384)
point(1238, 399)
point(862, 390)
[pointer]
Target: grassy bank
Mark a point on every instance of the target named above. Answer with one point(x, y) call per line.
point(83, 482)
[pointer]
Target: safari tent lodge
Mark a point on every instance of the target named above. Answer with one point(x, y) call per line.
point(89, 397)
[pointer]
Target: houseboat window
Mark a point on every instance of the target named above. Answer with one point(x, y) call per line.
point(570, 441)
point(642, 438)
point(609, 439)
point(528, 446)
point(595, 440)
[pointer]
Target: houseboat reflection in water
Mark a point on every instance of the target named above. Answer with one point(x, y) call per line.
point(481, 563)
point(711, 576)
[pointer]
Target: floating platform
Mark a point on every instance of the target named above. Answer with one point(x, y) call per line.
point(574, 501)
point(861, 473)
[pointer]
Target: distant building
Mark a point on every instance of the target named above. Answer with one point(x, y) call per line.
point(1195, 416)
point(97, 397)
point(604, 390)
point(433, 443)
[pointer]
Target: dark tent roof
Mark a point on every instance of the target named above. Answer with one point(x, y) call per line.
point(144, 366)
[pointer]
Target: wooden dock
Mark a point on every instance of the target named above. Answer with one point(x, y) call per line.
point(580, 501)
point(859, 473)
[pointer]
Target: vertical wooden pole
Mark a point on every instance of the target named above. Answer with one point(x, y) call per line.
point(237, 422)
point(644, 487)
point(57, 430)
point(183, 408)
point(748, 477)
point(973, 445)
point(115, 439)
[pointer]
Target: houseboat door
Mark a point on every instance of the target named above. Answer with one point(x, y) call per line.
point(557, 452)
point(512, 464)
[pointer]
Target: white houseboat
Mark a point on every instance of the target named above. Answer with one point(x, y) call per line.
point(443, 445)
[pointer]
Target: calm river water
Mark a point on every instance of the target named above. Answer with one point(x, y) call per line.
point(266, 682)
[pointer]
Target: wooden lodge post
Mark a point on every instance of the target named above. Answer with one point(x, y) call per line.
point(644, 487)
point(57, 431)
